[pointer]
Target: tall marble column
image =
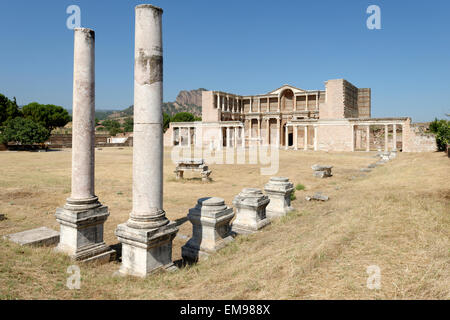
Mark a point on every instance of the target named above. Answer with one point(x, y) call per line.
point(295, 137)
point(259, 132)
point(315, 138)
point(82, 217)
point(147, 235)
point(286, 137)
point(368, 138)
point(394, 138)
point(386, 137)
point(305, 138)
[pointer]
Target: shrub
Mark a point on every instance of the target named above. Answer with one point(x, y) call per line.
point(441, 128)
point(23, 131)
point(299, 187)
point(293, 197)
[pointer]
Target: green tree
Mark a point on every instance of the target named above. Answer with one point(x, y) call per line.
point(8, 109)
point(441, 128)
point(49, 116)
point(166, 121)
point(113, 126)
point(183, 117)
point(23, 131)
point(128, 125)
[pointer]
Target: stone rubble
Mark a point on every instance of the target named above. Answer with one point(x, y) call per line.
point(317, 196)
point(35, 237)
point(321, 171)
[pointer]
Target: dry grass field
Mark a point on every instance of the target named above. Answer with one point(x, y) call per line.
point(396, 217)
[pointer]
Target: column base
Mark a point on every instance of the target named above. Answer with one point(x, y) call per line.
point(81, 230)
point(249, 229)
point(279, 190)
point(145, 251)
point(251, 216)
point(191, 252)
point(210, 220)
point(277, 214)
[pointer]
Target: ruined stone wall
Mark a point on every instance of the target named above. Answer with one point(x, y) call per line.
point(168, 137)
point(65, 140)
point(364, 102)
point(334, 138)
point(350, 100)
point(416, 140)
point(210, 113)
point(333, 108)
point(344, 100)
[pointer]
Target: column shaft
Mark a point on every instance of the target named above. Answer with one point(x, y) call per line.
point(386, 131)
point(305, 146)
point(83, 123)
point(394, 138)
point(295, 137)
point(286, 138)
point(368, 138)
point(315, 138)
point(148, 133)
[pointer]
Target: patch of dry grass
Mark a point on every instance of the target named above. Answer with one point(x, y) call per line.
point(396, 217)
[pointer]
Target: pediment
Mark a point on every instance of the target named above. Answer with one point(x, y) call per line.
point(286, 86)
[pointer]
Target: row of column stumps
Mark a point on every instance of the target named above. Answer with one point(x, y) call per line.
point(211, 217)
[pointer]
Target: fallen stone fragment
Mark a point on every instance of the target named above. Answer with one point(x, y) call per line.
point(318, 196)
point(392, 155)
point(365, 170)
point(35, 237)
point(372, 165)
point(321, 171)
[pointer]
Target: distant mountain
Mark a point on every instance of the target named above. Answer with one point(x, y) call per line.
point(186, 101)
point(192, 97)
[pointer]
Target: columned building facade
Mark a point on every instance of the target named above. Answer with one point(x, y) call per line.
point(335, 119)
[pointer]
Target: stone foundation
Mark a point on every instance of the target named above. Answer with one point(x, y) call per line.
point(81, 236)
point(250, 206)
point(145, 251)
point(211, 228)
point(279, 190)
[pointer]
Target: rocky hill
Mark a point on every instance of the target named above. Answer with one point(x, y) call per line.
point(186, 101)
point(192, 97)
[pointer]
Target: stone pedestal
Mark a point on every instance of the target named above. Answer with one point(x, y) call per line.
point(250, 206)
point(81, 236)
point(385, 156)
point(211, 228)
point(145, 251)
point(279, 190)
point(321, 171)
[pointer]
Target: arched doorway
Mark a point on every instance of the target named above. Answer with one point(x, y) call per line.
point(287, 100)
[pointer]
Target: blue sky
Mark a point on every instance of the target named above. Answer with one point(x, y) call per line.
point(244, 47)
